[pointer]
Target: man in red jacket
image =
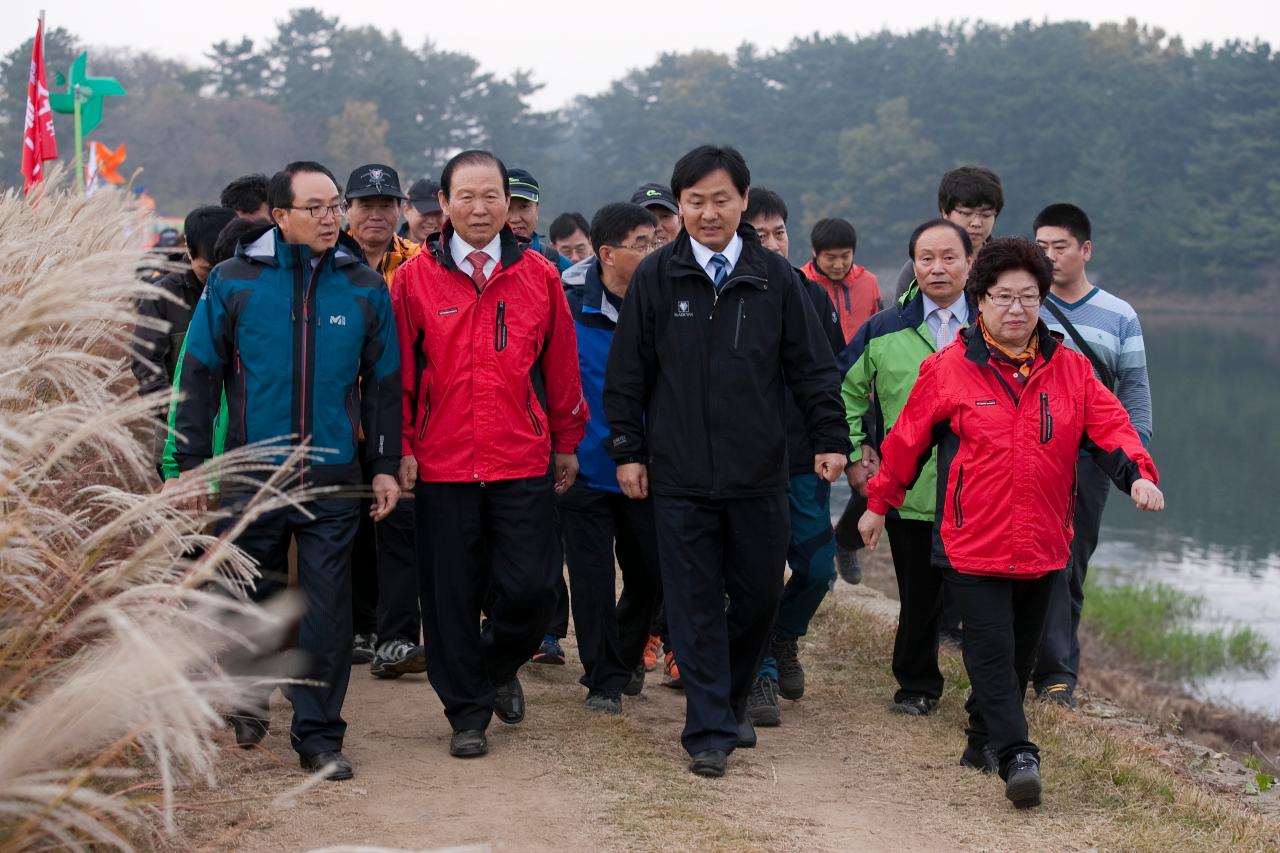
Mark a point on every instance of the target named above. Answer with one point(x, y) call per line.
point(491, 389)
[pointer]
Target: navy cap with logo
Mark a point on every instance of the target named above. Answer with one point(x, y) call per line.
point(374, 179)
point(523, 185)
point(655, 194)
point(425, 195)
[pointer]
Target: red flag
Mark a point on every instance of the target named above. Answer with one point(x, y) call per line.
point(38, 143)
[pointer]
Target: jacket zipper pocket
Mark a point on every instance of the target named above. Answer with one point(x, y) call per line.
point(1046, 419)
point(426, 416)
point(956, 512)
point(737, 328)
point(533, 418)
point(500, 328)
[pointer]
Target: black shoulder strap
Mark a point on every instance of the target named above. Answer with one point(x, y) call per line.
point(1104, 372)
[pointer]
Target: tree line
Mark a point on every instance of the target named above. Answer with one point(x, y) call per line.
point(1173, 150)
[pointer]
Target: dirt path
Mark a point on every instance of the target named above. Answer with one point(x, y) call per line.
point(841, 773)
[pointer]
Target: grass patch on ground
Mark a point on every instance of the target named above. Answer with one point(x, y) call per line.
point(1108, 784)
point(647, 797)
point(1155, 624)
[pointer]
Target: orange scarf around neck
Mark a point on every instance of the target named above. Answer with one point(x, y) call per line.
point(1023, 360)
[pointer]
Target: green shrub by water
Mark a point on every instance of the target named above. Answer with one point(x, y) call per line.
point(1154, 623)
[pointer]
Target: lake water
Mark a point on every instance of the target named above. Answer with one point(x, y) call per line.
point(1216, 399)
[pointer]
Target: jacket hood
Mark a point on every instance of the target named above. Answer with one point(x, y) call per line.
point(976, 349)
point(272, 250)
point(510, 247)
point(752, 263)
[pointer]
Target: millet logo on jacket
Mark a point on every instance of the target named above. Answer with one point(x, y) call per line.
point(337, 320)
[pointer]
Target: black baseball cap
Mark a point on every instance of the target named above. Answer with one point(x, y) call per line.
point(523, 185)
point(651, 194)
point(374, 179)
point(425, 195)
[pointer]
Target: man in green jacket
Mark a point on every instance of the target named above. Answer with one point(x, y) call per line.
point(880, 367)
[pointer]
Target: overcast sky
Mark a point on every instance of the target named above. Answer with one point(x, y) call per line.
point(577, 47)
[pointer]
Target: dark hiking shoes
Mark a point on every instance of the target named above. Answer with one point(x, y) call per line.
point(508, 704)
point(762, 703)
point(984, 759)
point(914, 706)
point(468, 743)
point(746, 735)
point(604, 702)
point(847, 566)
point(790, 673)
point(363, 648)
point(709, 762)
point(334, 764)
point(1058, 693)
point(1022, 781)
point(398, 657)
point(550, 651)
point(636, 684)
point(249, 729)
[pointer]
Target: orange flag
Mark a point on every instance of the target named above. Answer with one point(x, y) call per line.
point(108, 161)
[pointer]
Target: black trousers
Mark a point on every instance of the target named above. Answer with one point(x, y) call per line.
point(1002, 620)
point(847, 536)
point(324, 635)
point(915, 643)
point(710, 549)
point(596, 525)
point(658, 627)
point(483, 542)
point(1059, 657)
point(384, 573)
point(398, 611)
point(364, 575)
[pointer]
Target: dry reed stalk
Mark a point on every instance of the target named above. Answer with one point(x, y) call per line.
point(109, 631)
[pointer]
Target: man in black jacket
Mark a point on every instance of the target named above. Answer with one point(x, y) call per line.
point(714, 333)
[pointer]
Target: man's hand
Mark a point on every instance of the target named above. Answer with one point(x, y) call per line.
point(386, 494)
point(408, 472)
point(860, 471)
point(829, 465)
point(198, 500)
point(1147, 496)
point(871, 525)
point(566, 471)
point(633, 477)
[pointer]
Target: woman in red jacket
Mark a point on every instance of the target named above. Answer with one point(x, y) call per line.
point(1010, 409)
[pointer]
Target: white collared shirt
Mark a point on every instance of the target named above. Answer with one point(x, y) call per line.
point(959, 315)
point(732, 252)
point(460, 248)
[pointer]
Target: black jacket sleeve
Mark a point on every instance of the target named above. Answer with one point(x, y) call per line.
point(810, 369)
point(150, 345)
point(826, 312)
point(380, 397)
point(210, 342)
point(630, 371)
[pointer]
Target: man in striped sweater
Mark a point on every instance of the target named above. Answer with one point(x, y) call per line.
point(1105, 329)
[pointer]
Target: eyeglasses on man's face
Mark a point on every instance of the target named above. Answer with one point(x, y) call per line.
point(319, 211)
point(644, 247)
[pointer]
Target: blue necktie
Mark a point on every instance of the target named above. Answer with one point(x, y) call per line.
point(721, 263)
